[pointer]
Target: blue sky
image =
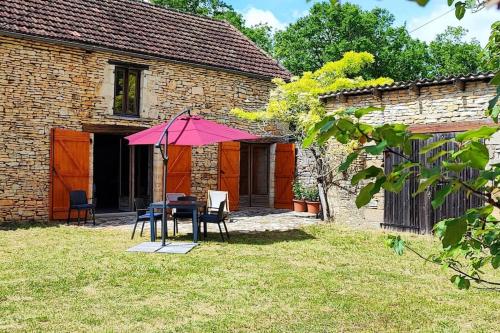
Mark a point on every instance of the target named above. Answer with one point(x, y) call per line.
point(279, 13)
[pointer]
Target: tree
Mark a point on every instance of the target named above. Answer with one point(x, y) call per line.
point(260, 34)
point(331, 29)
point(450, 54)
point(297, 103)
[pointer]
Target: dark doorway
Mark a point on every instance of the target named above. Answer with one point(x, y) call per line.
point(254, 175)
point(121, 172)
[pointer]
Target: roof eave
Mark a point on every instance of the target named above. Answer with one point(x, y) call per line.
point(409, 84)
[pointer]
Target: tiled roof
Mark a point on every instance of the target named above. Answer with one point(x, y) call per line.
point(140, 28)
point(408, 84)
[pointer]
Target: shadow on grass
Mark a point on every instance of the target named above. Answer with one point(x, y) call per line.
point(12, 226)
point(253, 238)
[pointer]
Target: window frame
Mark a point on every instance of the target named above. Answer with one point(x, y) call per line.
point(126, 68)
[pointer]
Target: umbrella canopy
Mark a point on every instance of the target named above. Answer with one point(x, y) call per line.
point(190, 131)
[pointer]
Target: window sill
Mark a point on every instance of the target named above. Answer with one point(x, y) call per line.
point(130, 118)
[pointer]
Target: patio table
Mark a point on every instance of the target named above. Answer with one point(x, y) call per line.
point(193, 205)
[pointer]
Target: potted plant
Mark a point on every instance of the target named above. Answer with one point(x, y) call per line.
point(312, 200)
point(299, 204)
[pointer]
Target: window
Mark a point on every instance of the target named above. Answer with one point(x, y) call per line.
point(127, 91)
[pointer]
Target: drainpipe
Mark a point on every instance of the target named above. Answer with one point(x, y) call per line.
point(164, 155)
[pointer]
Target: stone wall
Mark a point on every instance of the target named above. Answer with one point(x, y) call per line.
point(306, 172)
point(44, 86)
point(438, 104)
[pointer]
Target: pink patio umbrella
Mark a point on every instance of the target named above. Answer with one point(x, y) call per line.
point(184, 130)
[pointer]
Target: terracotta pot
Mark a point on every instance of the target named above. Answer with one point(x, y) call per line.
point(299, 205)
point(313, 207)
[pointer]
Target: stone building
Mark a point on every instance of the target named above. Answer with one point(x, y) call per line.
point(441, 107)
point(77, 76)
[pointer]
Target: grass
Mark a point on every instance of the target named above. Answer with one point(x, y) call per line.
point(318, 279)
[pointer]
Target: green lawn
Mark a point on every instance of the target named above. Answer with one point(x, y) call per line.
point(318, 279)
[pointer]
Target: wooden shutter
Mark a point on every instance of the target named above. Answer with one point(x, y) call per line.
point(69, 165)
point(229, 172)
point(179, 169)
point(284, 175)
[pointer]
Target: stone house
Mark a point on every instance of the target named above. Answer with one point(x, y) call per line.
point(79, 75)
point(441, 107)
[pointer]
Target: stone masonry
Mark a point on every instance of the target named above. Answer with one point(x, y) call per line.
point(45, 86)
point(434, 104)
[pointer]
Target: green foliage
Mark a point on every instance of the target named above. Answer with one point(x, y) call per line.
point(312, 193)
point(297, 102)
point(450, 54)
point(468, 242)
point(298, 190)
point(328, 31)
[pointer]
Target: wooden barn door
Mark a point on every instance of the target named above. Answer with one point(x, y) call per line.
point(405, 212)
point(69, 165)
point(179, 169)
point(229, 172)
point(283, 175)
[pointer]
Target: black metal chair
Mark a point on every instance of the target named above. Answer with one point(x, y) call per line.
point(142, 214)
point(78, 201)
point(218, 218)
point(182, 213)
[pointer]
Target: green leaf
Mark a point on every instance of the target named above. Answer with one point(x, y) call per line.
point(420, 136)
point(365, 195)
point(348, 161)
point(441, 195)
point(435, 157)
point(395, 243)
point(459, 10)
point(364, 111)
point(496, 79)
point(495, 261)
point(422, 2)
point(377, 149)
point(456, 167)
point(475, 154)
point(460, 281)
point(450, 2)
point(345, 124)
point(425, 183)
point(454, 231)
point(395, 183)
point(484, 132)
point(433, 145)
point(370, 172)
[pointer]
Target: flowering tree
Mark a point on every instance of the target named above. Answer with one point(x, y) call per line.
point(297, 103)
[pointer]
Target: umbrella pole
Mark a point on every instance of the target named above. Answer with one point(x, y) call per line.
point(164, 155)
point(164, 229)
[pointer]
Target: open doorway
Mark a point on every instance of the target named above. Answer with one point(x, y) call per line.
point(254, 175)
point(121, 173)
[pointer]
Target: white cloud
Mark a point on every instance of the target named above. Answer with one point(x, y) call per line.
point(478, 24)
point(254, 16)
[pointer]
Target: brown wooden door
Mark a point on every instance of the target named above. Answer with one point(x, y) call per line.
point(229, 172)
point(284, 174)
point(69, 164)
point(179, 169)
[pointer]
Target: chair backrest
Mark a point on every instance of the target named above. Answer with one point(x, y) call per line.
point(185, 198)
point(78, 197)
point(174, 196)
point(216, 197)
point(140, 203)
point(220, 211)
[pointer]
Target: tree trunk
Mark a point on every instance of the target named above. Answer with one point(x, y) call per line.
point(322, 182)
